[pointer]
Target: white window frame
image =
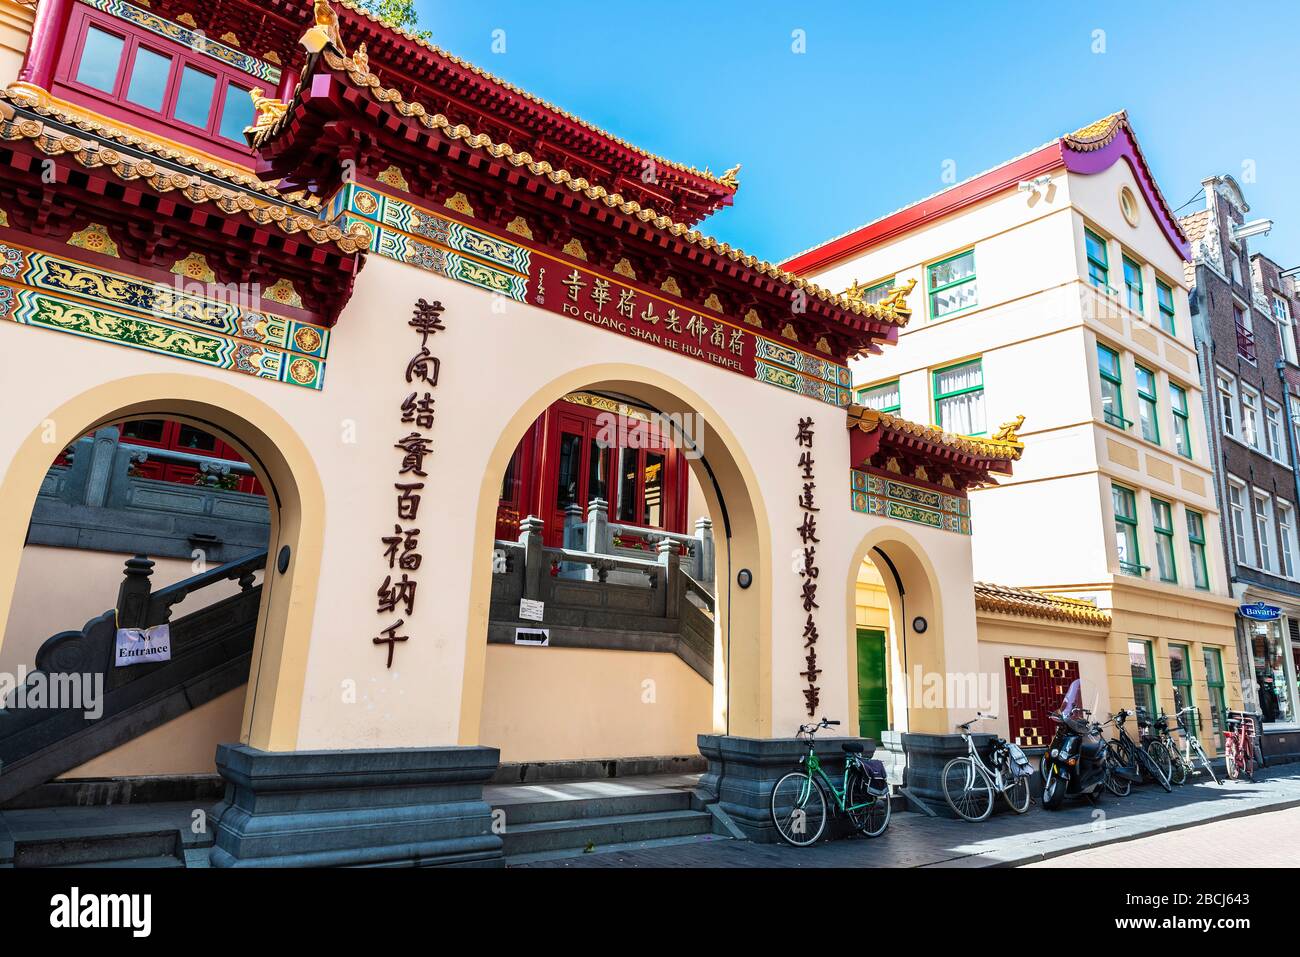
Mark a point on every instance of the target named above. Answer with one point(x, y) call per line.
point(1250, 421)
point(1285, 329)
point(1287, 545)
point(1243, 531)
point(1262, 511)
point(1274, 440)
point(1226, 385)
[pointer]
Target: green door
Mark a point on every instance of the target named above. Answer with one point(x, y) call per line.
point(873, 690)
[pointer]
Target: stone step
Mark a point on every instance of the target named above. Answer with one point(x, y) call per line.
point(565, 809)
point(533, 839)
point(106, 849)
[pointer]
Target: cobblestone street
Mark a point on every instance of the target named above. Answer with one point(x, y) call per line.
point(1171, 829)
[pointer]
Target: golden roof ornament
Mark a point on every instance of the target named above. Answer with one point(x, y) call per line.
point(267, 109)
point(731, 178)
point(1009, 432)
point(325, 32)
point(361, 59)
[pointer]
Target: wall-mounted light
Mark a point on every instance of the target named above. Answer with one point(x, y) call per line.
point(744, 578)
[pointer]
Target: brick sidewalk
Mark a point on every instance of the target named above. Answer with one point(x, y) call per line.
point(914, 840)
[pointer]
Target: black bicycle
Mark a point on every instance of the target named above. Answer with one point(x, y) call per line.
point(1131, 756)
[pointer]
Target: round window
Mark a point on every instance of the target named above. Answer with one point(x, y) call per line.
point(1128, 205)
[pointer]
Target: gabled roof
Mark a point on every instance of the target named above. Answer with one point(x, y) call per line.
point(977, 449)
point(1090, 149)
point(1031, 604)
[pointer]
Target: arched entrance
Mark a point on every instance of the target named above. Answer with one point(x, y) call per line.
point(281, 464)
point(601, 721)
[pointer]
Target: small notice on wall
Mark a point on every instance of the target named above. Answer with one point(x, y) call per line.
point(530, 610)
point(137, 646)
point(532, 636)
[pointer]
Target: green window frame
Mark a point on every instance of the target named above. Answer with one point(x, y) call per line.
point(892, 407)
point(952, 285)
point(1165, 300)
point(1098, 259)
point(1127, 547)
point(1133, 286)
point(1218, 703)
point(1162, 519)
point(1196, 545)
point(1112, 387)
point(1148, 404)
point(1143, 669)
point(1182, 420)
point(1181, 678)
point(877, 291)
point(968, 401)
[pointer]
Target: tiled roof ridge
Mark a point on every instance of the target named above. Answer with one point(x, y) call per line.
point(867, 419)
point(360, 76)
point(531, 97)
point(1023, 601)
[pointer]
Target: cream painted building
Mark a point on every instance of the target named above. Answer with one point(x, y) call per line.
point(1052, 287)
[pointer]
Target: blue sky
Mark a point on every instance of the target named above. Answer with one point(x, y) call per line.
point(864, 120)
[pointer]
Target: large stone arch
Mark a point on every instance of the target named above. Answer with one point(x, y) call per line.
point(731, 487)
point(286, 469)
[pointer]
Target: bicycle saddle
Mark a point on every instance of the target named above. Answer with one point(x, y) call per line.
point(852, 747)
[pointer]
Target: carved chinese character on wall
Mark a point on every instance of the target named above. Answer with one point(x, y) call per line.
point(809, 571)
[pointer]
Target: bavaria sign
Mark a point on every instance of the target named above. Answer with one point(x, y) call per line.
point(1258, 611)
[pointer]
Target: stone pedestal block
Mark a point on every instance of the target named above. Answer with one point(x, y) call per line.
point(743, 771)
point(926, 756)
point(411, 807)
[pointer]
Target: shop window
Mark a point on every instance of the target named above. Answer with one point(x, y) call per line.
point(1218, 703)
point(952, 285)
point(1098, 260)
point(1126, 531)
point(882, 398)
point(1036, 686)
point(1133, 286)
point(1182, 420)
point(1163, 520)
point(1142, 665)
point(1165, 300)
point(1273, 671)
point(1148, 405)
point(959, 398)
point(1112, 387)
point(1180, 674)
point(1196, 543)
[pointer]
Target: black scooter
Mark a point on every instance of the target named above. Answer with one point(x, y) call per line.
point(1074, 763)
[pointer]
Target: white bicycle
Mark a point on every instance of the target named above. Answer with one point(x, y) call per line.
point(969, 784)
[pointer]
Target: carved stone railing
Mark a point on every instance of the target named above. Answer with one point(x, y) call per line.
point(595, 600)
point(210, 654)
point(595, 533)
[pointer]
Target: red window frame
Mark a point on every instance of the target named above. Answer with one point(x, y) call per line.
point(164, 122)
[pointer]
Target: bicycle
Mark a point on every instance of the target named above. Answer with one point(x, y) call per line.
point(1133, 757)
point(1191, 744)
point(1152, 743)
point(969, 783)
point(1180, 765)
point(798, 803)
point(1239, 745)
point(1119, 776)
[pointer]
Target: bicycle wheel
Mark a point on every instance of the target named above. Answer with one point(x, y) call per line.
point(872, 819)
point(1153, 767)
point(1230, 758)
point(798, 809)
point(1018, 795)
point(1159, 756)
point(1177, 766)
point(1117, 760)
point(968, 789)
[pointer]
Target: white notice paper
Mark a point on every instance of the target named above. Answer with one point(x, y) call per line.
point(530, 610)
point(139, 645)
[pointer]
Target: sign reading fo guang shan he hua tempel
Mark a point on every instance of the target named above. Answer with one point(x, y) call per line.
point(401, 230)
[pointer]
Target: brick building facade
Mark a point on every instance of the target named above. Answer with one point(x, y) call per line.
point(1243, 309)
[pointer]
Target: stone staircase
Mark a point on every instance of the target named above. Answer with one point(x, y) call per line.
point(158, 835)
point(559, 819)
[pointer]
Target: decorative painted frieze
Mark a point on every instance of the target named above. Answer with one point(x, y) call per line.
point(613, 300)
point(42, 290)
point(874, 494)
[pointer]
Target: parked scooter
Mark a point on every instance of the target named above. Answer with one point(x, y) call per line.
point(1074, 763)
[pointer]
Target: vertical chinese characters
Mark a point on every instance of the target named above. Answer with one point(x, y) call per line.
point(808, 570)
